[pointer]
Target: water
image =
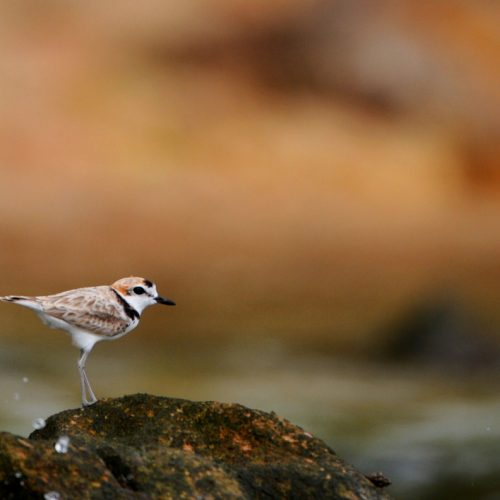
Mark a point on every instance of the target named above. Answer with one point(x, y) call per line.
point(38, 423)
point(62, 444)
point(52, 495)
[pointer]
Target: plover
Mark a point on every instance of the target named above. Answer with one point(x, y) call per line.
point(93, 314)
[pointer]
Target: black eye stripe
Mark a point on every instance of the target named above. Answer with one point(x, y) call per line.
point(138, 290)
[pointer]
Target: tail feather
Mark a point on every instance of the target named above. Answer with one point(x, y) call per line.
point(13, 298)
point(29, 302)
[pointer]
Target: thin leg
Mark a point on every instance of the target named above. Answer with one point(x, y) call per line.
point(90, 392)
point(84, 381)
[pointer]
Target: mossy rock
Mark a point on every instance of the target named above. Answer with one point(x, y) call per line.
point(143, 446)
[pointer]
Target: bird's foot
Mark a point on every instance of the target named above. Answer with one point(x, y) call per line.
point(88, 403)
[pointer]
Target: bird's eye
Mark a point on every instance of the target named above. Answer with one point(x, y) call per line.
point(138, 290)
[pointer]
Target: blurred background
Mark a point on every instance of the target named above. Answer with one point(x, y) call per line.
point(315, 183)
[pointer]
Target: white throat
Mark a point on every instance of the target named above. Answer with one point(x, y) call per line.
point(138, 302)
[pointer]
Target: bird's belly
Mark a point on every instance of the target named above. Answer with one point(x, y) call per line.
point(85, 340)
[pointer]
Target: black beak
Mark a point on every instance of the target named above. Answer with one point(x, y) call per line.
point(162, 300)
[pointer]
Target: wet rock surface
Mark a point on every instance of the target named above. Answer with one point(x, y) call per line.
point(143, 446)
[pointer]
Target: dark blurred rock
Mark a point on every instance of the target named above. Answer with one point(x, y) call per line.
point(144, 446)
point(378, 479)
point(441, 334)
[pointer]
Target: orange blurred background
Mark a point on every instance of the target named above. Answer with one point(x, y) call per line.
point(304, 167)
point(309, 171)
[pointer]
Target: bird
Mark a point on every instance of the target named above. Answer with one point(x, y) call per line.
point(93, 314)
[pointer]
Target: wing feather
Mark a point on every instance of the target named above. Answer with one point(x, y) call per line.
point(92, 309)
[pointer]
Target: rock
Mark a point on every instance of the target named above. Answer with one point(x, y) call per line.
point(378, 479)
point(142, 447)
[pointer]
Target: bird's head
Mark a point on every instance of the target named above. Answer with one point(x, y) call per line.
point(140, 293)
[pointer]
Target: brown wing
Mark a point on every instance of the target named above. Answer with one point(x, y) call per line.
point(92, 309)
